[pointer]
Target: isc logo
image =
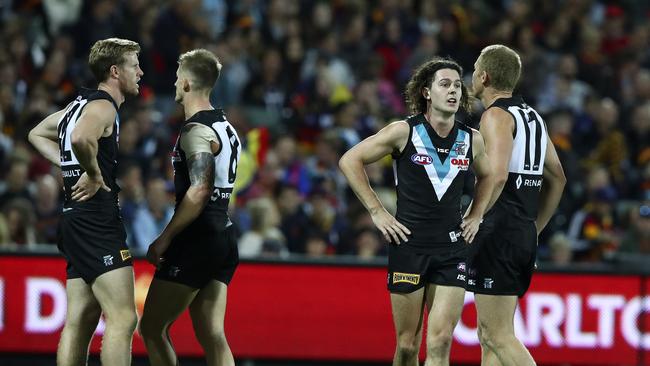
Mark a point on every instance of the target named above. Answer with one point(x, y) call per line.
point(421, 159)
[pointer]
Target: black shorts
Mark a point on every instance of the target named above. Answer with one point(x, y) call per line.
point(200, 254)
point(410, 270)
point(502, 257)
point(93, 242)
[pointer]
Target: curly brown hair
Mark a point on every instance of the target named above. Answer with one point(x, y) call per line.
point(423, 77)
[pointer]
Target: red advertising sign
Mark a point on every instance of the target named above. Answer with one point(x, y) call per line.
point(291, 311)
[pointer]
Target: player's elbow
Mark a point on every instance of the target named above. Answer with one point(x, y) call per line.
point(500, 179)
point(32, 136)
point(78, 140)
point(343, 162)
point(201, 193)
point(347, 162)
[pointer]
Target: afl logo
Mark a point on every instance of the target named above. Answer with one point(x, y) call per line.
point(421, 159)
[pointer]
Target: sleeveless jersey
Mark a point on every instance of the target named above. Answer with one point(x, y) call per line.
point(107, 151)
point(429, 175)
point(521, 193)
point(225, 164)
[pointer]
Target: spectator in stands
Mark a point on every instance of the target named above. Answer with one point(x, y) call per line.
point(20, 217)
point(152, 215)
point(636, 238)
point(16, 182)
point(48, 206)
point(560, 249)
point(593, 229)
point(368, 244)
point(4, 233)
point(264, 236)
point(563, 89)
point(294, 222)
point(131, 196)
point(316, 245)
point(611, 149)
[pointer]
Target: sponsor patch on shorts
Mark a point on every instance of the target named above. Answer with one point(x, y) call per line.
point(125, 254)
point(406, 278)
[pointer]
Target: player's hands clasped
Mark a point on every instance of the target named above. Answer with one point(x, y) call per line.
point(393, 230)
point(87, 187)
point(470, 227)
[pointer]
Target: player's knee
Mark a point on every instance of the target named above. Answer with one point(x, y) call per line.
point(489, 338)
point(408, 346)
point(439, 342)
point(82, 319)
point(212, 337)
point(125, 320)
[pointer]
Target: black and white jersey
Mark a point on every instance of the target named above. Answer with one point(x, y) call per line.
point(107, 151)
point(520, 195)
point(225, 164)
point(429, 178)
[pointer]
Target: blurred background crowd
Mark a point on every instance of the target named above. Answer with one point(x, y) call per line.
point(303, 81)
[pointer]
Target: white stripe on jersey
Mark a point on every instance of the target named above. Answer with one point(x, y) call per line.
point(521, 141)
point(440, 184)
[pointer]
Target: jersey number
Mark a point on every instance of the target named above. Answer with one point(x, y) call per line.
point(234, 145)
point(66, 155)
point(530, 117)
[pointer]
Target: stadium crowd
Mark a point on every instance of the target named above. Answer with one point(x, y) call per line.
point(302, 81)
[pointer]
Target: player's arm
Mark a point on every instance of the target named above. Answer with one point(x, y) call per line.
point(554, 182)
point(199, 143)
point(482, 189)
point(44, 137)
point(95, 121)
point(390, 138)
point(497, 127)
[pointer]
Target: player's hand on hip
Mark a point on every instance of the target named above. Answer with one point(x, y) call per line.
point(87, 187)
point(393, 230)
point(470, 226)
point(155, 252)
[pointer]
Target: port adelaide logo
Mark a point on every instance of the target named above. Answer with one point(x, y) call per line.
point(421, 159)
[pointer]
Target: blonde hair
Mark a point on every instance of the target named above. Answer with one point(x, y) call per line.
point(108, 52)
point(503, 66)
point(203, 66)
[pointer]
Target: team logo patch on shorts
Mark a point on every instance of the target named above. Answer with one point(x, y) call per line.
point(406, 278)
point(108, 260)
point(125, 254)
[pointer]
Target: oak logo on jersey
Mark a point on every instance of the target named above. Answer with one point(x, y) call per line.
point(125, 254)
point(421, 159)
point(406, 278)
point(461, 163)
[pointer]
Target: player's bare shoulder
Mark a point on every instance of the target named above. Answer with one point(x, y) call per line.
point(497, 117)
point(397, 133)
point(197, 137)
point(101, 112)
